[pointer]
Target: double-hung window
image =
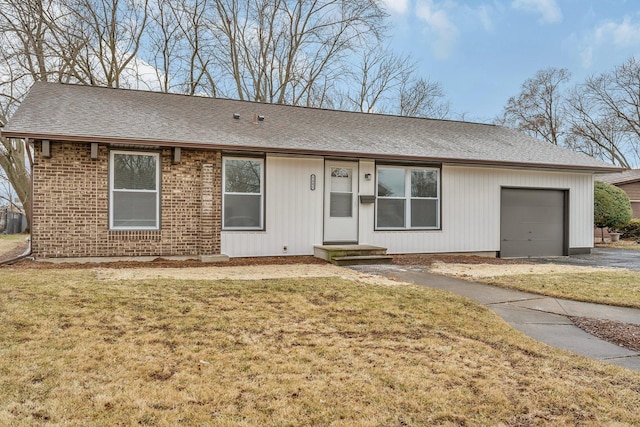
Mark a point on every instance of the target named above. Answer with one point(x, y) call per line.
point(243, 193)
point(134, 180)
point(407, 198)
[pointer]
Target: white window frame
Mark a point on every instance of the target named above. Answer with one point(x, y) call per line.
point(113, 190)
point(261, 160)
point(407, 197)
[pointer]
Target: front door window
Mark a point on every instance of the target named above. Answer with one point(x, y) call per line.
point(341, 197)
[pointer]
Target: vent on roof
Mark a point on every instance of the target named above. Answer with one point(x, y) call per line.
point(261, 118)
point(236, 116)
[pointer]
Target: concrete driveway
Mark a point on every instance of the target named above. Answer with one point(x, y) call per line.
point(601, 257)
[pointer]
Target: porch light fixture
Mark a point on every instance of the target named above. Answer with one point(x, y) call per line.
point(46, 149)
point(367, 177)
point(175, 158)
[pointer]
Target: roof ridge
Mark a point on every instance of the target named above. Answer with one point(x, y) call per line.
point(304, 107)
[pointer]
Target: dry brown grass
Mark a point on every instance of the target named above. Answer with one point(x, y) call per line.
point(607, 287)
point(9, 242)
point(621, 244)
point(76, 350)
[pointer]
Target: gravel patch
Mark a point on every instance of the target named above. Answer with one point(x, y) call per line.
point(261, 272)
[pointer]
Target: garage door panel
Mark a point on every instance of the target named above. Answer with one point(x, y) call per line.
point(535, 231)
point(525, 249)
point(532, 223)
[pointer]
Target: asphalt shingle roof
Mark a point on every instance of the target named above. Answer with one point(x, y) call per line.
point(628, 176)
point(87, 113)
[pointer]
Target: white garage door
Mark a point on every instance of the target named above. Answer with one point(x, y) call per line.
point(532, 223)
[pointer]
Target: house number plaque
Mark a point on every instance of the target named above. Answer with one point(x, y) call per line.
point(312, 182)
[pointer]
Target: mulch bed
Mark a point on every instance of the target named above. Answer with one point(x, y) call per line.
point(423, 260)
point(623, 334)
point(428, 259)
point(167, 263)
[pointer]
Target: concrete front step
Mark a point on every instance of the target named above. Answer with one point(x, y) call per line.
point(352, 254)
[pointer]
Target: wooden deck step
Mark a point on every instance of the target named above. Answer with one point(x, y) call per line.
point(362, 259)
point(352, 254)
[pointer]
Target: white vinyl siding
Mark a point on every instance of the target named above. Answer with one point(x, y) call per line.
point(407, 198)
point(470, 210)
point(134, 182)
point(471, 207)
point(243, 193)
point(293, 211)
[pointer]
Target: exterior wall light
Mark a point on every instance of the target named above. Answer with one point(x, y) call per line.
point(46, 149)
point(94, 151)
point(175, 159)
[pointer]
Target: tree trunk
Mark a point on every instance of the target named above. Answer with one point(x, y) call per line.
point(13, 161)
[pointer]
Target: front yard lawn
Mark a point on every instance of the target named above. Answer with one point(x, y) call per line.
point(620, 244)
point(10, 242)
point(78, 350)
point(607, 287)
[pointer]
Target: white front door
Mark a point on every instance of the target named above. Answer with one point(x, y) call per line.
point(340, 202)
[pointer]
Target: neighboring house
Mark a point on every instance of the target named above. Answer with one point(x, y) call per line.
point(133, 173)
point(629, 182)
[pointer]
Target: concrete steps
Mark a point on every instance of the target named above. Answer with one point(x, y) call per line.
point(352, 254)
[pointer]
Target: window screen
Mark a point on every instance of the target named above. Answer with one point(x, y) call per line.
point(134, 182)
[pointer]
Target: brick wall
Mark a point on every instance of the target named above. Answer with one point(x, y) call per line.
point(71, 205)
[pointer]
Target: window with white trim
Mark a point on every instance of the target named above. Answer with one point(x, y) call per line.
point(134, 182)
point(243, 193)
point(407, 198)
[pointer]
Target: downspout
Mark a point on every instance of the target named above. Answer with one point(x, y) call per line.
point(27, 252)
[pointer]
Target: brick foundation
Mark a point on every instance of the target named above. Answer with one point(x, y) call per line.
point(71, 206)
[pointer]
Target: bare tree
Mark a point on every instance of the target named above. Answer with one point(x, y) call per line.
point(386, 82)
point(29, 52)
point(202, 77)
point(165, 39)
point(605, 114)
point(277, 51)
point(13, 162)
point(113, 31)
point(180, 46)
point(379, 77)
point(423, 98)
point(594, 130)
point(538, 109)
point(7, 194)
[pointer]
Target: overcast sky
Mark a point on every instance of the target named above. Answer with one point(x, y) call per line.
point(481, 51)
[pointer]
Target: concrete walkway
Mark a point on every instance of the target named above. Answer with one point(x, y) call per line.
point(543, 318)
